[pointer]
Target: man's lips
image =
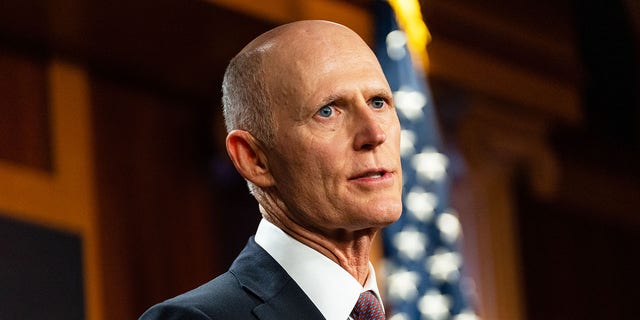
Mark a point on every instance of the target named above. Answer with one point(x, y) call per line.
point(371, 174)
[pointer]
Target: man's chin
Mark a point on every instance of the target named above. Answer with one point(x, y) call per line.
point(387, 216)
point(392, 220)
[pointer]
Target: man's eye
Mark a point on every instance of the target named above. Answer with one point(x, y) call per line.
point(377, 102)
point(325, 111)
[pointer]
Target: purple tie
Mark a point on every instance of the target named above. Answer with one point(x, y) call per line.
point(367, 308)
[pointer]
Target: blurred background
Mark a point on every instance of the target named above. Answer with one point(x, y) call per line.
point(116, 191)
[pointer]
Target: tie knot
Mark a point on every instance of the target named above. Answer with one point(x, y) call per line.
point(368, 307)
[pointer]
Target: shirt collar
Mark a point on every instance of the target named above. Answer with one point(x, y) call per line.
point(332, 289)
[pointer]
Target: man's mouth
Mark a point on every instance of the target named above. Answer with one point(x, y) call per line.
point(377, 174)
point(371, 175)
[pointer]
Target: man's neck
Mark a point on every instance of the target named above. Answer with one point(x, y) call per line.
point(350, 250)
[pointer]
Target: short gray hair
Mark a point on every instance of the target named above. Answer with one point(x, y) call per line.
point(245, 96)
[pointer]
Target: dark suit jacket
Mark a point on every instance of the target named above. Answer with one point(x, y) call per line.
point(255, 287)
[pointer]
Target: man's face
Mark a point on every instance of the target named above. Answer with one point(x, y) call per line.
point(336, 155)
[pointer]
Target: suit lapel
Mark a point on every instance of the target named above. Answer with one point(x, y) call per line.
point(289, 304)
point(281, 297)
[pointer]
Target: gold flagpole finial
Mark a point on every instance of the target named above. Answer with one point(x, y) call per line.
point(410, 20)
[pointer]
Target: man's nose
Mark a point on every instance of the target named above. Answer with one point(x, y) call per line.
point(369, 133)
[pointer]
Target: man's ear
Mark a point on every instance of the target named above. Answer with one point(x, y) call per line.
point(249, 158)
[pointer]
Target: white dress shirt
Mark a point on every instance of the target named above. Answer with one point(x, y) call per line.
point(332, 289)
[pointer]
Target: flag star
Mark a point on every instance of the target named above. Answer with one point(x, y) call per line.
point(449, 226)
point(396, 44)
point(466, 315)
point(402, 285)
point(434, 306)
point(410, 103)
point(444, 265)
point(421, 203)
point(430, 164)
point(410, 243)
point(399, 316)
point(407, 142)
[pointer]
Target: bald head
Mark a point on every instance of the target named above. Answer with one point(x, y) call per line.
point(253, 82)
point(293, 38)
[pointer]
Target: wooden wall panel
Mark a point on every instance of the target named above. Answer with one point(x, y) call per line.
point(154, 195)
point(24, 126)
point(578, 263)
point(61, 198)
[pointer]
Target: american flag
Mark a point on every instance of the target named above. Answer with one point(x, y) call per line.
point(422, 260)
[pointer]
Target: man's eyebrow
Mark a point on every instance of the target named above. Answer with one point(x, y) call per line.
point(330, 99)
point(380, 92)
point(340, 95)
point(385, 93)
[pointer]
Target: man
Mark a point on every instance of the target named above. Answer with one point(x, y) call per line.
point(313, 130)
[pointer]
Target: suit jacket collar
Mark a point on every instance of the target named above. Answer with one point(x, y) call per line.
point(281, 297)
